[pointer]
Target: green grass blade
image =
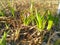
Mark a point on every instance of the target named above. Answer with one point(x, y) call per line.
point(50, 20)
point(27, 20)
point(3, 40)
point(50, 24)
point(12, 11)
point(39, 20)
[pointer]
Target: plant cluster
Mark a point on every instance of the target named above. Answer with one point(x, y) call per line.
point(42, 22)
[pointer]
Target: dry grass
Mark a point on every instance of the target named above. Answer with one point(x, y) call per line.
point(21, 34)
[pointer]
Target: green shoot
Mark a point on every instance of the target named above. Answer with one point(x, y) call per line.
point(50, 20)
point(6, 26)
point(12, 11)
point(30, 18)
point(40, 21)
point(31, 13)
point(50, 24)
point(3, 40)
point(26, 21)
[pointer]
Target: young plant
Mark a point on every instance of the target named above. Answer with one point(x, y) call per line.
point(32, 13)
point(6, 26)
point(3, 40)
point(29, 18)
point(26, 20)
point(50, 20)
point(40, 21)
point(12, 11)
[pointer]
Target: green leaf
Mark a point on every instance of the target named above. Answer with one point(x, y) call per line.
point(12, 11)
point(39, 20)
point(50, 19)
point(3, 40)
point(50, 24)
point(27, 20)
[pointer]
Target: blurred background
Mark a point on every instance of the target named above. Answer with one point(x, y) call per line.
point(41, 5)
